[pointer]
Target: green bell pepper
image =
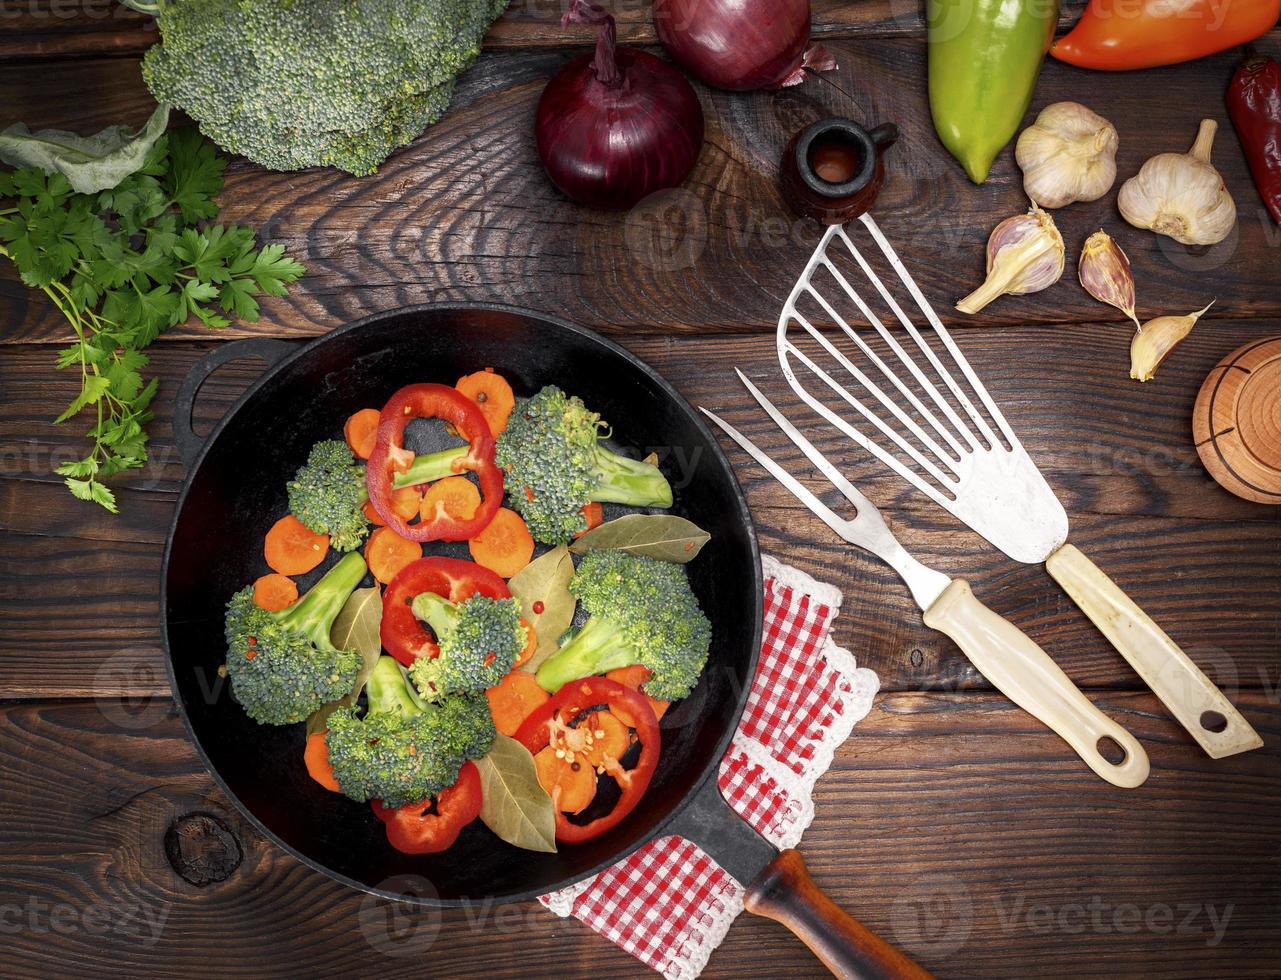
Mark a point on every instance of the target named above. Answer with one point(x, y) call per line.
point(984, 58)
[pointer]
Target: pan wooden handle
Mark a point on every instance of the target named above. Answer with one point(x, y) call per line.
point(1025, 674)
point(1191, 697)
point(786, 893)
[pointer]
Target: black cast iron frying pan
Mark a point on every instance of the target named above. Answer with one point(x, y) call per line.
point(237, 487)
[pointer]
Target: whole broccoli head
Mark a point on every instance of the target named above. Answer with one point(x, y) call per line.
point(283, 665)
point(640, 611)
point(479, 640)
point(403, 750)
point(328, 494)
point(293, 84)
point(554, 463)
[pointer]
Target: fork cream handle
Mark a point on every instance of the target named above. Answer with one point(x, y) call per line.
point(1025, 674)
point(1191, 696)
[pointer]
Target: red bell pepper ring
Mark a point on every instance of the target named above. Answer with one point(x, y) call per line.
point(411, 829)
point(403, 636)
point(549, 721)
point(390, 457)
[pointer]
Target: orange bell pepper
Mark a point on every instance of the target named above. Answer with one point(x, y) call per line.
point(1120, 35)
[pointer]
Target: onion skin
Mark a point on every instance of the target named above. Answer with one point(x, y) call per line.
point(736, 44)
point(609, 145)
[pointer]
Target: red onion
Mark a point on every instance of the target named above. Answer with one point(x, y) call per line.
point(741, 44)
point(616, 125)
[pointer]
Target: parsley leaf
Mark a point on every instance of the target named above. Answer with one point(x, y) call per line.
point(123, 265)
point(194, 177)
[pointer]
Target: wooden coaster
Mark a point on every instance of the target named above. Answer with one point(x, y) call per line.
point(1237, 421)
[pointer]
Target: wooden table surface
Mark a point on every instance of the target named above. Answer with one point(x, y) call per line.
point(950, 820)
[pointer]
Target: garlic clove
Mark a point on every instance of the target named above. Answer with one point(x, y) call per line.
point(1156, 339)
point(1104, 271)
point(1068, 154)
point(1181, 195)
point(1025, 254)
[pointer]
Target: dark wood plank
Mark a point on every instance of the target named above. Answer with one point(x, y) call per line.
point(1120, 454)
point(933, 825)
point(43, 30)
point(466, 213)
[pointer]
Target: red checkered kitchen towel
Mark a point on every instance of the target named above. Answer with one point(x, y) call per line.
point(668, 903)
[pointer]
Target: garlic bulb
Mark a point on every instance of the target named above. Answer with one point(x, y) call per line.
point(1104, 271)
point(1025, 254)
point(1068, 154)
point(1156, 339)
point(1181, 195)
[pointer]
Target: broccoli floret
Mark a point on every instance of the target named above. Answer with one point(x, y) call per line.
point(640, 611)
point(403, 750)
point(283, 665)
point(328, 494)
point(337, 83)
point(554, 463)
point(479, 640)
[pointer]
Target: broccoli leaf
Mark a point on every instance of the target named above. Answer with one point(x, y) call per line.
point(90, 163)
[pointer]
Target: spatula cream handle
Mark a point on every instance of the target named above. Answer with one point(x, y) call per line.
point(1191, 697)
point(1025, 674)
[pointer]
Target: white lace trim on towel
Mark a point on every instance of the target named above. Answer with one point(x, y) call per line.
point(793, 578)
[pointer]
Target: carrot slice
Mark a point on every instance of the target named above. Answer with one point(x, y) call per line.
point(275, 592)
point(361, 431)
point(505, 546)
point(610, 737)
point(493, 394)
point(571, 785)
point(387, 553)
point(633, 677)
point(531, 643)
point(371, 515)
point(316, 755)
point(594, 513)
point(291, 548)
point(454, 496)
point(513, 699)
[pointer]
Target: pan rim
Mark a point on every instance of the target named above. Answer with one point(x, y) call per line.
point(710, 770)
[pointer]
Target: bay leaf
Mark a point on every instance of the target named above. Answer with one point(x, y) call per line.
point(355, 628)
point(545, 580)
point(662, 536)
point(514, 804)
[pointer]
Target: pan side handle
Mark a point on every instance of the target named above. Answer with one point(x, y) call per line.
point(1192, 697)
point(184, 436)
point(779, 887)
point(786, 893)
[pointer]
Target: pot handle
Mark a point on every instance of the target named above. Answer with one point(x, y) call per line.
point(778, 886)
point(184, 437)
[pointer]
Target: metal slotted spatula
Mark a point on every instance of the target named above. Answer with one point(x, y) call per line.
point(1007, 657)
point(918, 406)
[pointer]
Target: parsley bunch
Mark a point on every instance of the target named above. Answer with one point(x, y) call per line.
point(124, 264)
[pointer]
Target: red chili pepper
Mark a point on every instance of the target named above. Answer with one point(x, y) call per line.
point(1254, 104)
point(390, 457)
point(1120, 35)
point(404, 637)
point(537, 731)
point(412, 829)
